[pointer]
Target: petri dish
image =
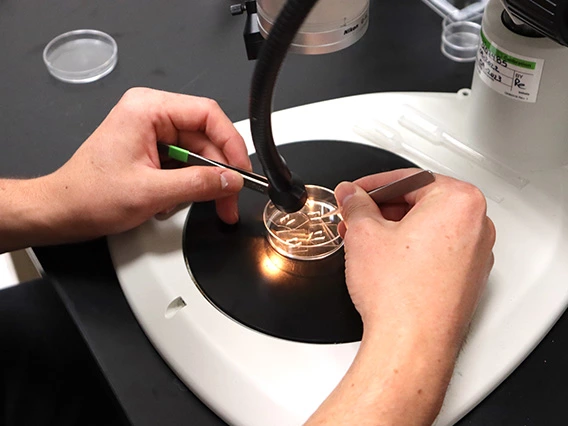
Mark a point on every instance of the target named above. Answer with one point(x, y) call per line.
point(309, 234)
point(81, 56)
point(461, 36)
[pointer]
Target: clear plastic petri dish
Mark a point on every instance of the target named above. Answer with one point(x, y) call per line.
point(81, 56)
point(461, 35)
point(309, 234)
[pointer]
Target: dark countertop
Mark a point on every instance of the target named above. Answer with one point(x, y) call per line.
point(196, 47)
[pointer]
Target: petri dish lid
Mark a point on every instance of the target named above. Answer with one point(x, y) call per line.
point(461, 36)
point(81, 56)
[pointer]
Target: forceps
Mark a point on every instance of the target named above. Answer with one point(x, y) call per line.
point(252, 180)
point(395, 189)
point(260, 183)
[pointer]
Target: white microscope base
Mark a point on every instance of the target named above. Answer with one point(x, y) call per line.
point(250, 379)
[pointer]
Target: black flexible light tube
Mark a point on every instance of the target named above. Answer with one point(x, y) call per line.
point(286, 190)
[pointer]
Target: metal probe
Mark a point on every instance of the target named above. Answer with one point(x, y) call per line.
point(252, 180)
point(260, 183)
point(396, 189)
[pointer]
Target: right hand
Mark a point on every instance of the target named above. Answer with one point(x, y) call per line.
point(415, 269)
point(416, 266)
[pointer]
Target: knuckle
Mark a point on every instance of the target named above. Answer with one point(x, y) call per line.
point(134, 94)
point(134, 99)
point(470, 198)
point(211, 107)
point(491, 231)
point(211, 103)
point(201, 183)
point(471, 212)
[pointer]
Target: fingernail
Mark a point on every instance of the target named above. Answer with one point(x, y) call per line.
point(344, 191)
point(224, 181)
point(231, 181)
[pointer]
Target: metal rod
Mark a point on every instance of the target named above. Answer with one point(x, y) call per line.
point(252, 180)
point(396, 189)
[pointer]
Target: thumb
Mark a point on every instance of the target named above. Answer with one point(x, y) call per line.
point(355, 203)
point(188, 184)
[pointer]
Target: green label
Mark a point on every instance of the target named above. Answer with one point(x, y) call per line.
point(177, 153)
point(505, 57)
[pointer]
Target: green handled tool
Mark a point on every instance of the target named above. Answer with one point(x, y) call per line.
point(252, 180)
point(260, 183)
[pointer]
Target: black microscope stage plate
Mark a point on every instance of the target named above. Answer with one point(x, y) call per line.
point(239, 273)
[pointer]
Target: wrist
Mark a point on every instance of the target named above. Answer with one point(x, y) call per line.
point(33, 214)
point(23, 212)
point(411, 376)
point(396, 379)
point(443, 334)
point(64, 220)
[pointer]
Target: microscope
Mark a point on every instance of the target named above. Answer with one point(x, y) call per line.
point(517, 38)
point(262, 337)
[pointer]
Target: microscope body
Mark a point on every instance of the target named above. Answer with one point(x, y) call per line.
point(519, 98)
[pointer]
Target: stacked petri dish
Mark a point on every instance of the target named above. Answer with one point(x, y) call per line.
point(461, 35)
point(461, 27)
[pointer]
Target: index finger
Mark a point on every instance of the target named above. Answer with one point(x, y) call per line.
point(189, 113)
point(173, 114)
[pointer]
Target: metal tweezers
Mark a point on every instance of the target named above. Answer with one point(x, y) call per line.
point(260, 183)
point(252, 180)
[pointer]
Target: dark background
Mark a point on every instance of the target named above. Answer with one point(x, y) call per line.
point(195, 47)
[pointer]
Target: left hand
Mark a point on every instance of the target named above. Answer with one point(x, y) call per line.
point(114, 182)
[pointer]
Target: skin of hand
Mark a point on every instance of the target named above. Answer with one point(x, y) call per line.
point(115, 180)
point(415, 270)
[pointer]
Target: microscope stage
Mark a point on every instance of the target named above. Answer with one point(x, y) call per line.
point(251, 378)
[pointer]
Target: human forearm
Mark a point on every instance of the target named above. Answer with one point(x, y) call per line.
point(115, 181)
point(28, 213)
point(395, 379)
